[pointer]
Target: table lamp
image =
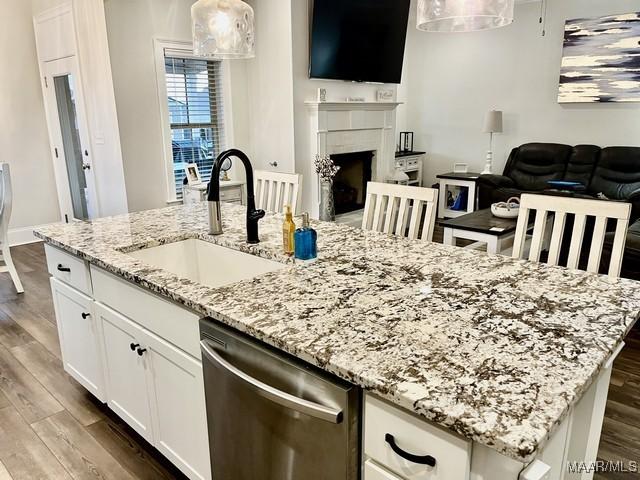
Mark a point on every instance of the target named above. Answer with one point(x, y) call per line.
point(492, 124)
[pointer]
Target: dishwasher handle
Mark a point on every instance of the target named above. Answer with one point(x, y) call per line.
point(285, 399)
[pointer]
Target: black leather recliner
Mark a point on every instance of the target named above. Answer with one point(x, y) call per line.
point(612, 171)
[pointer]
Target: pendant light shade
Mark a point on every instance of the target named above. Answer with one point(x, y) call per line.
point(463, 15)
point(223, 29)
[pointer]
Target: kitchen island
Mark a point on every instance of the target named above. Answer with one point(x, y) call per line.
point(511, 356)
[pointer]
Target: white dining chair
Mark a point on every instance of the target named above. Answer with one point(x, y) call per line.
point(580, 209)
point(400, 210)
point(6, 200)
point(274, 190)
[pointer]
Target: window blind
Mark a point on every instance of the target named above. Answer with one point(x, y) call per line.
point(194, 96)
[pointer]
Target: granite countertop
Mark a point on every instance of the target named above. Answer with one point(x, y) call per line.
point(494, 349)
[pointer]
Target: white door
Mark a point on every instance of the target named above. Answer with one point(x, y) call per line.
point(79, 337)
point(176, 389)
point(125, 370)
point(69, 135)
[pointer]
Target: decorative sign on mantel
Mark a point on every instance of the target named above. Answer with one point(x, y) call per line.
point(601, 60)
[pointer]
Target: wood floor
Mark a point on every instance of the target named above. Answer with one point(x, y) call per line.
point(51, 428)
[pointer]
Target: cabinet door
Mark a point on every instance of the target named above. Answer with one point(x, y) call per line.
point(373, 471)
point(79, 333)
point(125, 370)
point(176, 390)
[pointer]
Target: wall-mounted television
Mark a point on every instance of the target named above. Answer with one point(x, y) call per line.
point(358, 40)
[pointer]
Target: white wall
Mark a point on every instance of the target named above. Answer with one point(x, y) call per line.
point(270, 87)
point(132, 26)
point(24, 139)
point(451, 80)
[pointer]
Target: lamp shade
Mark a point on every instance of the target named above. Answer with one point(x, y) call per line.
point(493, 122)
point(463, 15)
point(223, 29)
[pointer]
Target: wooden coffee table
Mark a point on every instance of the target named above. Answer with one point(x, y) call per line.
point(482, 228)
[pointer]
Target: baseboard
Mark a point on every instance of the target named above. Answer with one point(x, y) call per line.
point(20, 236)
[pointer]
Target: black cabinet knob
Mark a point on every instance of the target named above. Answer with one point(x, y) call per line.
point(133, 346)
point(62, 268)
point(141, 351)
point(86, 315)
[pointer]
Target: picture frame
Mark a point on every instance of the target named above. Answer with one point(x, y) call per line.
point(192, 174)
point(460, 168)
point(406, 141)
point(384, 95)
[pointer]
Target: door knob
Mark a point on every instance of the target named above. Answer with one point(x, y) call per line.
point(141, 351)
point(133, 346)
point(85, 315)
point(273, 164)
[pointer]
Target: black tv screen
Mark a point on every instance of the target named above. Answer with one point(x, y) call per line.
point(358, 40)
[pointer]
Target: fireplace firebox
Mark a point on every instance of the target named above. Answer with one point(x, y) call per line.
point(350, 184)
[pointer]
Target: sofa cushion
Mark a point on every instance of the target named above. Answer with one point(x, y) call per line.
point(631, 258)
point(617, 174)
point(582, 162)
point(532, 165)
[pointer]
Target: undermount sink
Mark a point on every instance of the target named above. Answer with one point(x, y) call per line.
point(206, 263)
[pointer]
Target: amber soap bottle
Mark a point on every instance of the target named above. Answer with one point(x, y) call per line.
point(288, 231)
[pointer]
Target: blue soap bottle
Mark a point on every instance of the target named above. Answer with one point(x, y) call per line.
point(306, 240)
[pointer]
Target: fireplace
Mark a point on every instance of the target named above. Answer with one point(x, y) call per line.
point(350, 184)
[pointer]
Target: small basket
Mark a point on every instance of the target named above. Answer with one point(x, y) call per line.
point(508, 209)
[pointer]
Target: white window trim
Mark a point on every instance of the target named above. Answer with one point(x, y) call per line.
point(160, 45)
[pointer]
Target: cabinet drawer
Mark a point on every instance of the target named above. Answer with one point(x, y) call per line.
point(229, 194)
point(165, 319)
point(68, 269)
point(373, 471)
point(401, 163)
point(415, 436)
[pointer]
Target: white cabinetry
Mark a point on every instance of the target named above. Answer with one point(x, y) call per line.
point(158, 390)
point(136, 352)
point(79, 334)
point(125, 371)
point(392, 437)
point(176, 392)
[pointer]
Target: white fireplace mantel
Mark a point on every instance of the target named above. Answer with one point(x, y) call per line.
point(347, 127)
point(342, 106)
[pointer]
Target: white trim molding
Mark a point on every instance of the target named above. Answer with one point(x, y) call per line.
point(185, 48)
point(346, 127)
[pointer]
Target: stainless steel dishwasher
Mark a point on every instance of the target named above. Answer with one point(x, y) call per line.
point(272, 417)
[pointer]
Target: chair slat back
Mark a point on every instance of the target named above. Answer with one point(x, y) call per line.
point(274, 190)
point(580, 209)
point(400, 209)
point(6, 200)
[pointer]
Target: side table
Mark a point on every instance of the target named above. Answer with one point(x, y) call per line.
point(459, 180)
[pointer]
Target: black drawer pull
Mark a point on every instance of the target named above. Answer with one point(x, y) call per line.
point(133, 346)
point(62, 268)
point(86, 315)
point(420, 459)
point(141, 351)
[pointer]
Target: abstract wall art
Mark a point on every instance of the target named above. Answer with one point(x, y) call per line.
point(601, 60)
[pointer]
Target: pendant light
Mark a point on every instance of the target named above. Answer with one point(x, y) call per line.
point(463, 15)
point(223, 29)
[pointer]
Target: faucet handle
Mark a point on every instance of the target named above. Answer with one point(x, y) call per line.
point(256, 214)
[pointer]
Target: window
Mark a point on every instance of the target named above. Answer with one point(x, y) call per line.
point(194, 98)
